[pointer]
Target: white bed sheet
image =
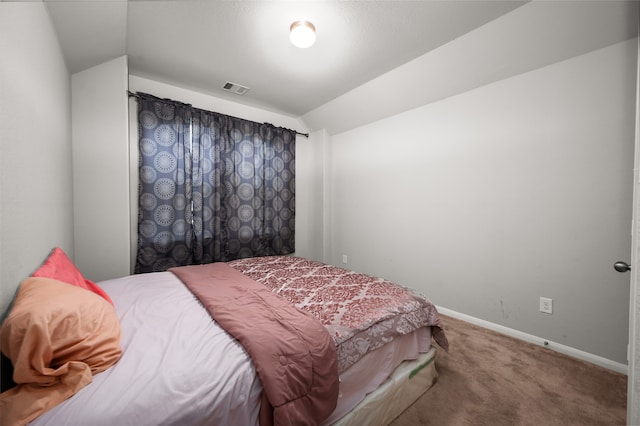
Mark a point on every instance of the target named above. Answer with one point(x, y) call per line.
point(178, 366)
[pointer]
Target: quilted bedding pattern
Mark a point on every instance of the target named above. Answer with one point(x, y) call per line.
point(361, 312)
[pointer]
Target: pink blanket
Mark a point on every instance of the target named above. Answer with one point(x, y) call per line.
point(293, 353)
point(362, 313)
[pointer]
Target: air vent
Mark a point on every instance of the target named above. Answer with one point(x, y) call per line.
point(235, 88)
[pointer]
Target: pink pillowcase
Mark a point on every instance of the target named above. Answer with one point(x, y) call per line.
point(59, 267)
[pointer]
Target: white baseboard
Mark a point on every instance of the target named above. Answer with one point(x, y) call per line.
point(567, 350)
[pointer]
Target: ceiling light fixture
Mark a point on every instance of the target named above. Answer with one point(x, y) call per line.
point(303, 34)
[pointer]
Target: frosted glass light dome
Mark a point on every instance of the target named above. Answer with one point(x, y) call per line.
point(303, 34)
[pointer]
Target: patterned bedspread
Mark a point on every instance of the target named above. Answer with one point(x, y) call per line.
point(361, 312)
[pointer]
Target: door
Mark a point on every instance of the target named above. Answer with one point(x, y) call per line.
point(633, 387)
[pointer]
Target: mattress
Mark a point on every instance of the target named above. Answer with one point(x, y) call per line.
point(408, 382)
point(374, 368)
point(180, 367)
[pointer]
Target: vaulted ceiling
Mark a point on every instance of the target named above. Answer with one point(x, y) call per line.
point(202, 44)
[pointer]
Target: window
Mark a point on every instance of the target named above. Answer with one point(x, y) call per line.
point(212, 187)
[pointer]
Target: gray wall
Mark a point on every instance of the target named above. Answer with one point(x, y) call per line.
point(101, 170)
point(487, 200)
point(35, 145)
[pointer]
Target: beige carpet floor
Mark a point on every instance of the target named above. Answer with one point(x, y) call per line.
point(487, 378)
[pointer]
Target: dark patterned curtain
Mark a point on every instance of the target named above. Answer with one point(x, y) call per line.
point(230, 195)
point(165, 236)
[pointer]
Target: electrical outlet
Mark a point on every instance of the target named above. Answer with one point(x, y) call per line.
point(546, 305)
point(344, 258)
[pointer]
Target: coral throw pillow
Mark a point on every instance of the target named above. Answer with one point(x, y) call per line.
point(59, 267)
point(57, 336)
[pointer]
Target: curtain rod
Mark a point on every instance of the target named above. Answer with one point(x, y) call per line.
point(135, 95)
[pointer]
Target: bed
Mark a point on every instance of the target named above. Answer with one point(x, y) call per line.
point(177, 366)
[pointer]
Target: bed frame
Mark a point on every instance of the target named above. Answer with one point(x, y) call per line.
point(405, 385)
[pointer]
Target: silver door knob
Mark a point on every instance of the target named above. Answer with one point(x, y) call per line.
point(621, 266)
